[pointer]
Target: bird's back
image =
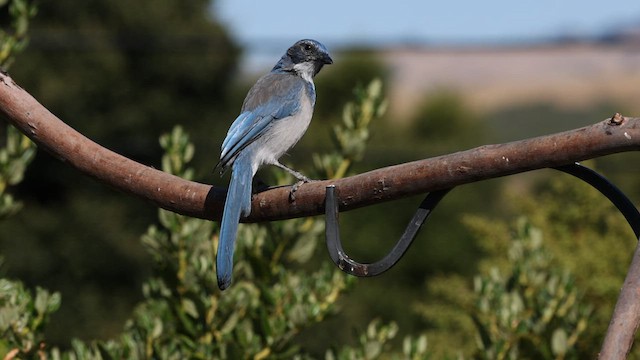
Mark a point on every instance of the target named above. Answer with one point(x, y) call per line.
point(278, 91)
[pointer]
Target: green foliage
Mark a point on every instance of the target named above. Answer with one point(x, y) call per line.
point(22, 314)
point(352, 135)
point(17, 153)
point(523, 305)
point(178, 152)
point(445, 310)
point(534, 311)
point(374, 343)
point(352, 68)
point(122, 73)
point(590, 238)
point(103, 68)
point(183, 315)
point(586, 235)
point(444, 119)
point(13, 38)
point(443, 254)
point(23, 317)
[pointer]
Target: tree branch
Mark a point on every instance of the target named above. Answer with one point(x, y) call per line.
point(626, 315)
point(618, 134)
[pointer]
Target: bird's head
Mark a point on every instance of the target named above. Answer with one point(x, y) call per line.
point(306, 57)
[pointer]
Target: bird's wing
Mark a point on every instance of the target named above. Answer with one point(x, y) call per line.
point(273, 97)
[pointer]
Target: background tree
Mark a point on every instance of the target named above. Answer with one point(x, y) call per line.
point(184, 315)
point(130, 73)
point(123, 73)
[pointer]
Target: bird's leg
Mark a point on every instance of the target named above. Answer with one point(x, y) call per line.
point(296, 174)
point(301, 179)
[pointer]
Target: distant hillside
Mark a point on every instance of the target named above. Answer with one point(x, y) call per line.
point(566, 73)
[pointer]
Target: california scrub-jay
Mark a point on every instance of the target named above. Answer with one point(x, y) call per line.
point(274, 116)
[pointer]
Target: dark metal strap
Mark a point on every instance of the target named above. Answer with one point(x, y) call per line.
point(348, 265)
point(608, 189)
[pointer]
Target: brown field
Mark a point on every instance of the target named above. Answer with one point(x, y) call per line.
point(494, 77)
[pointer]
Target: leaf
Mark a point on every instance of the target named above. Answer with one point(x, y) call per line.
point(422, 344)
point(157, 328)
point(189, 308)
point(42, 299)
point(559, 344)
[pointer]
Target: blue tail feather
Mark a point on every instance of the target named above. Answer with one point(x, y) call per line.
point(237, 204)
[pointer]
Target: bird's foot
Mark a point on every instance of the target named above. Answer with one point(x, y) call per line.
point(296, 186)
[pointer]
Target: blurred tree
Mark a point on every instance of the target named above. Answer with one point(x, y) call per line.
point(443, 247)
point(534, 311)
point(445, 123)
point(15, 17)
point(585, 235)
point(121, 72)
point(23, 315)
point(590, 238)
point(17, 150)
point(136, 68)
point(184, 316)
point(354, 67)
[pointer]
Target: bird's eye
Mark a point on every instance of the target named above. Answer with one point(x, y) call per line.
point(307, 47)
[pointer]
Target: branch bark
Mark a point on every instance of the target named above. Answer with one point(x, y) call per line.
point(617, 134)
point(626, 315)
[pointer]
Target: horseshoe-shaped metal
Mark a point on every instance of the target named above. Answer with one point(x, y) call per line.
point(350, 266)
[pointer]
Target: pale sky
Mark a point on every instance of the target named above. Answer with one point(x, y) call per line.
point(270, 26)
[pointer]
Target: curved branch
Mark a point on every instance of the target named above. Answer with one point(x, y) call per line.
point(626, 315)
point(618, 134)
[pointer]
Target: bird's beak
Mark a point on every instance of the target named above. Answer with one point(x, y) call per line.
point(326, 59)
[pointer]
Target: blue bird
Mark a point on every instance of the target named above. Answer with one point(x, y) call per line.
point(274, 116)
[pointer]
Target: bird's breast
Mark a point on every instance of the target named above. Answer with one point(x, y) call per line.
point(285, 133)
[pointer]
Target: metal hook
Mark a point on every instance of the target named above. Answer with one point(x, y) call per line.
point(348, 265)
point(609, 190)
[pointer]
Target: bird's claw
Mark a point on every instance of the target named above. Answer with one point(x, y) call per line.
point(296, 186)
